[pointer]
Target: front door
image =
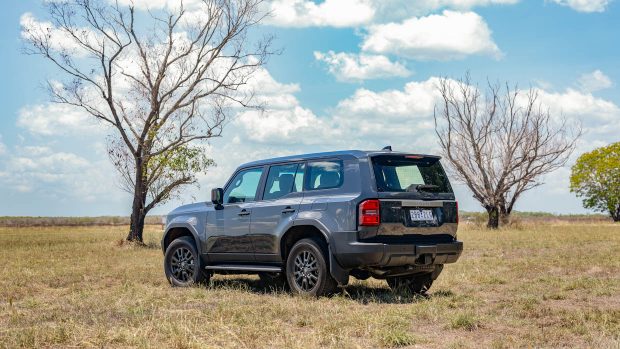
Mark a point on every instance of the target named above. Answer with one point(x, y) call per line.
point(272, 215)
point(231, 240)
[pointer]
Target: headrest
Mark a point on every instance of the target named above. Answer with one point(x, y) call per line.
point(286, 182)
point(329, 179)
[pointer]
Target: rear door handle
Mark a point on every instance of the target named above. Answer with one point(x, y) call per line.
point(244, 212)
point(288, 209)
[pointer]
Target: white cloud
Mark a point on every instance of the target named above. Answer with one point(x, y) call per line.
point(290, 125)
point(402, 118)
point(580, 105)
point(416, 100)
point(58, 119)
point(585, 5)
point(351, 67)
point(450, 35)
point(57, 174)
point(599, 118)
point(274, 94)
point(356, 13)
point(334, 13)
point(594, 81)
point(283, 118)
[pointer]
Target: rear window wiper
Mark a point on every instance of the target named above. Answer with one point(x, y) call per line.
point(426, 187)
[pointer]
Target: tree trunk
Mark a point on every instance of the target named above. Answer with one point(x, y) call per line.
point(616, 215)
point(138, 212)
point(504, 215)
point(136, 227)
point(493, 212)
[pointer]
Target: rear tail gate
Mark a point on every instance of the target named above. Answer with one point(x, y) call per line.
point(418, 214)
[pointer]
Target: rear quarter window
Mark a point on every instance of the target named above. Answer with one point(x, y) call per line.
point(325, 174)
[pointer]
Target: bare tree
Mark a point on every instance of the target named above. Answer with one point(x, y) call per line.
point(499, 144)
point(163, 81)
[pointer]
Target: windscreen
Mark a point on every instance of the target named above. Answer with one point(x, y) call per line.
point(410, 174)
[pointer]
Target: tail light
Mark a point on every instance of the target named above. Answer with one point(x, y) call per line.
point(369, 213)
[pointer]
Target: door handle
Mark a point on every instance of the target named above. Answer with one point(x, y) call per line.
point(244, 212)
point(288, 209)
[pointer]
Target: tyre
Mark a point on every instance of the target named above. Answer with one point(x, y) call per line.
point(182, 264)
point(307, 270)
point(277, 280)
point(417, 284)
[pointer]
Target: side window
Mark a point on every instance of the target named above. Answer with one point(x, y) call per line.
point(324, 174)
point(243, 187)
point(282, 180)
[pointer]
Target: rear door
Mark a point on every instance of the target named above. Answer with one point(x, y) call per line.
point(416, 199)
point(278, 208)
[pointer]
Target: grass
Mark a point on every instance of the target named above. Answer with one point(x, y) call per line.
point(10, 221)
point(536, 286)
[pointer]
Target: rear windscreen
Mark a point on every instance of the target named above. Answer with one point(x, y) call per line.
point(410, 174)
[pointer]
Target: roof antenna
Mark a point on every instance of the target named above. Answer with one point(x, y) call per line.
point(387, 147)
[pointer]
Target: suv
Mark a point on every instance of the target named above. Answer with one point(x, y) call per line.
point(313, 220)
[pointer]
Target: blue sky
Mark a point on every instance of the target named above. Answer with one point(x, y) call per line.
point(353, 74)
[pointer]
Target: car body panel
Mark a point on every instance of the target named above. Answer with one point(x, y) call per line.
point(271, 219)
point(231, 231)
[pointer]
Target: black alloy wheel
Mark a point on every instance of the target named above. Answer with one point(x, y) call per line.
point(182, 263)
point(307, 269)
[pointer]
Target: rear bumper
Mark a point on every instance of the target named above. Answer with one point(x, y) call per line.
point(352, 254)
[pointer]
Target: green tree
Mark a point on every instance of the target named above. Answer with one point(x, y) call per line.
point(595, 177)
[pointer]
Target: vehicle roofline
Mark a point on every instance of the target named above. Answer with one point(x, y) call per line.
point(359, 154)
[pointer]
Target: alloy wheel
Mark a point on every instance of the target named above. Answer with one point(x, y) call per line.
point(306, 270)
point(182, 264)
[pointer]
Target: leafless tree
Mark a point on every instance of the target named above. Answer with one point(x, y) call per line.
point(501, 143)
point(164, 81)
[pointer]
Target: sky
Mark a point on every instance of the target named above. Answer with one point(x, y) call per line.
point(352, 74)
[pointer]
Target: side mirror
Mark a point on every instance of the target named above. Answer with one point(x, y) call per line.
point(217, 196)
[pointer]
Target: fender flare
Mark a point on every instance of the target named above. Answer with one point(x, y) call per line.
point(340, 274)
point(316, 224)
point(184, 222)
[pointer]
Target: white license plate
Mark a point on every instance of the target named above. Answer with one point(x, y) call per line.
point(421, 215)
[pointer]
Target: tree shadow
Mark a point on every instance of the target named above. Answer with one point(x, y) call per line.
point(362, 293)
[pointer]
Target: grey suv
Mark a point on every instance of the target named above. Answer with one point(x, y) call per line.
point(311, 221)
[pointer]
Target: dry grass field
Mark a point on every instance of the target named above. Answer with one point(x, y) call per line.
point(546, 285)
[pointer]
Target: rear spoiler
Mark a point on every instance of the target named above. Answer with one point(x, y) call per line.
point(421, 158)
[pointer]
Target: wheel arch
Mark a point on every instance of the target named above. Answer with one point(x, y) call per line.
point(176, 231)
point(302, 231)
point(298, 232)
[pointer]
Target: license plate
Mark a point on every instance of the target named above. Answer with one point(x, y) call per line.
point(421, 215)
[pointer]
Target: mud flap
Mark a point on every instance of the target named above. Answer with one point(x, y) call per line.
point(338, 273)
point(437, 271)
